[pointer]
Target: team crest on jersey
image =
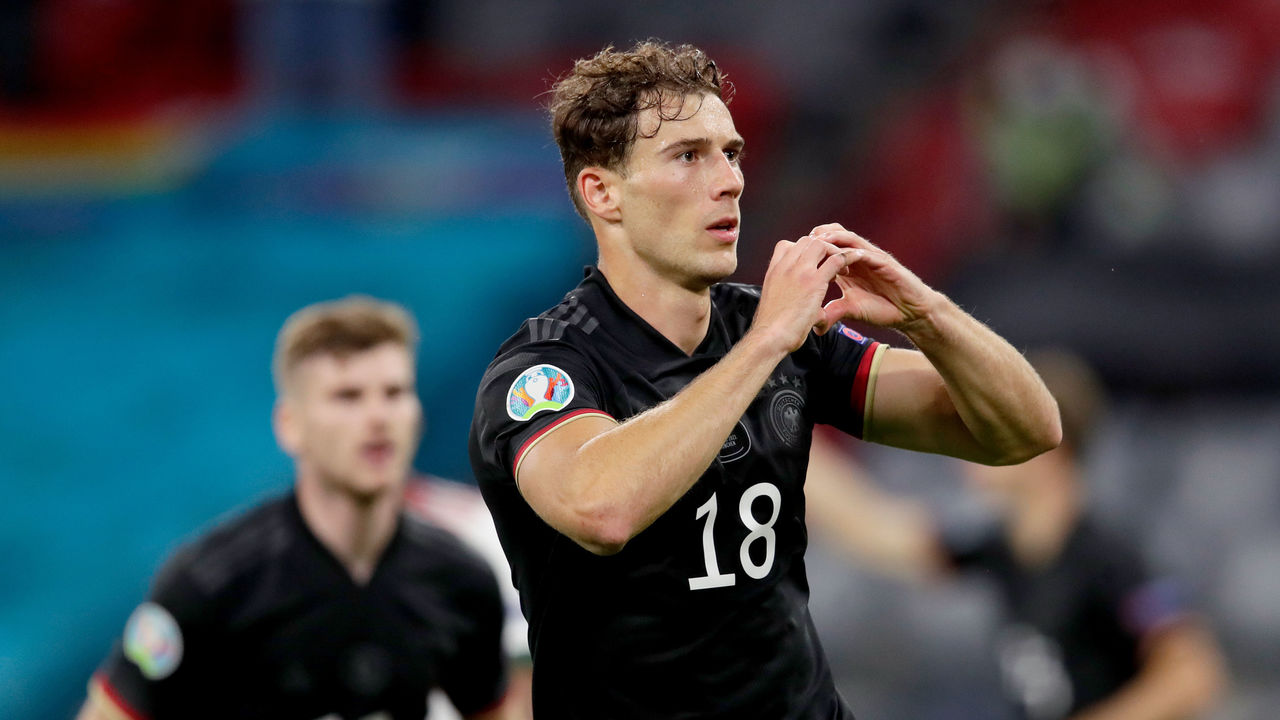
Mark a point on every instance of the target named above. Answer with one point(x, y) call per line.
point(541, 387)
point(152, 641)
point(786, 410)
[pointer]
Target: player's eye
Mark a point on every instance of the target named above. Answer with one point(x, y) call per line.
point(347, 395)
point(734, 155)
point(689, 155)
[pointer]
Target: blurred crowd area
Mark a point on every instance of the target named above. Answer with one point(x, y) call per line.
point(176, 177)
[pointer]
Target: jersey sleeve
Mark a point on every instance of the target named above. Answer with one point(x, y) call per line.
point(527, 393)
point(149, 672)
point(1141, 601)
point(476, 679)
point(848, 361)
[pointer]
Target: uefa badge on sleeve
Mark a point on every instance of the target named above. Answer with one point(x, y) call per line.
point(153, 641)
point(541, 387)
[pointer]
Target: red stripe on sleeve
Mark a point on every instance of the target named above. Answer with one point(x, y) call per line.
point(858, 396)
point(121, 704)
point(515, 464)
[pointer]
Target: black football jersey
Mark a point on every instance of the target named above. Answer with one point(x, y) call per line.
point(257, 619)
point(1073, 628)
point(704, 614)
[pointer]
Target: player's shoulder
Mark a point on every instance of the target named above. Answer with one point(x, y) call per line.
point(572, 320)
point(1102, 550)
point(566, 337)
point(238, 544)
point(434, 551)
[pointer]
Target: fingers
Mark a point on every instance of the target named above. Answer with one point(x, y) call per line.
point(837, 262)
point(837, 235)
point(813, 252)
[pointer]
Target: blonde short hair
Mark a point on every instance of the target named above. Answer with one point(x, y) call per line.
point(341, 328)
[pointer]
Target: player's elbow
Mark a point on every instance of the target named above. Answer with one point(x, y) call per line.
point(598, 525)
point(1030, 441)
point(1032, 448)
point(602, 534)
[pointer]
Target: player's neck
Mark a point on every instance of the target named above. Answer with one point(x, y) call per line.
point(355, 530)
point(680, 313)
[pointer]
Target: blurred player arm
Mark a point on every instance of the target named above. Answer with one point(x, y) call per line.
point(1181, 675)
point(100, 705)
point(893, 535)
point(506, 710)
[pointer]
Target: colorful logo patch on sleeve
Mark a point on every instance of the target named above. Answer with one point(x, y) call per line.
point(852, 334)
point(153, 641)
point(541, 387)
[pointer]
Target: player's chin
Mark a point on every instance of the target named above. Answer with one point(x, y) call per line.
point(371, 486)
point(720, 266)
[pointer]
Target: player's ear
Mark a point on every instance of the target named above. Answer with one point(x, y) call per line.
point(599, 190)
point(284, 422)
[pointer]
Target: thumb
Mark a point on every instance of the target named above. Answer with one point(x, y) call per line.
point(832, 313)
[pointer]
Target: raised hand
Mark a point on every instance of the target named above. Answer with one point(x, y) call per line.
point(795, 284)
point(874, 287)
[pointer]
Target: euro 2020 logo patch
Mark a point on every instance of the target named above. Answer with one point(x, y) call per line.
point(153, 641)
point(541, 387)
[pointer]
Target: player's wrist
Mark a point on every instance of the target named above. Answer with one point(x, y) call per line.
point(936, 321)
point(765, 345)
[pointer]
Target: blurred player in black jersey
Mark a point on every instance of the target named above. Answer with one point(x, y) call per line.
point(643, 444)
point(1089, 632)
point(327, 602)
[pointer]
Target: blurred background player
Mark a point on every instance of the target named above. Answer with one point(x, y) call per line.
point(328, 601)
point(459, 508)
point(1089, 632)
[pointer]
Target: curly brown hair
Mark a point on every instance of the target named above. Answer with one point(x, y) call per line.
point(595, 107)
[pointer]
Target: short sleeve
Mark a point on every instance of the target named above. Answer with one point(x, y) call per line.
point(847, 366)
point(526, 393)
point(151, 669)
point(1141, 602)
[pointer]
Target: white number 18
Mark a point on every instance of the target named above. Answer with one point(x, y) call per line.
point(759, 531)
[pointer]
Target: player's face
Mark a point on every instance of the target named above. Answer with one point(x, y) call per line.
point(356, 420)
point(680, 193)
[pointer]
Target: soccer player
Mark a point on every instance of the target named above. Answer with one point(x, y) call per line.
point(1089, 632)
point(642, 445)
point(326, 602)
point(459, 508)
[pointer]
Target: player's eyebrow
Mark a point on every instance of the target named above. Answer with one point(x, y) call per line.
point(687, 144)
point(735, 143)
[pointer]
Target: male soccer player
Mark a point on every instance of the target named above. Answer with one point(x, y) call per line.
point(642, 445)
point(327, 602)
point(1088, 631)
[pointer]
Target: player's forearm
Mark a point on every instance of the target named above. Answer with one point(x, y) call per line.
point(998, 396)
point(1180, 678)
point(626, 477)
point(894, 535)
